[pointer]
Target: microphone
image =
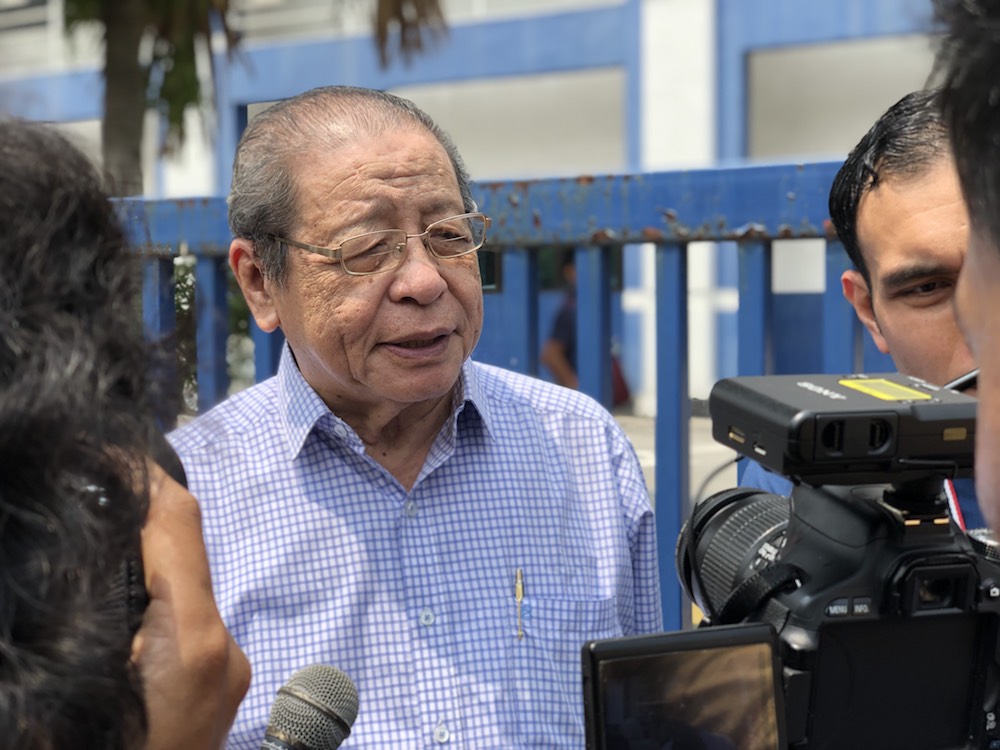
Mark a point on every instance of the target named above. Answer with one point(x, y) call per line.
point(963, 382)
point(314, 710)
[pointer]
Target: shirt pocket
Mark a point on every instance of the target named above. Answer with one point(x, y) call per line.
point(550, 618)
point(547, 666)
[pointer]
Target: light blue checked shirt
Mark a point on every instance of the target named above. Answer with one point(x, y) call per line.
point(319, 556)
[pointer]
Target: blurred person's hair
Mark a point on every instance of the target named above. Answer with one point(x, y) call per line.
point(74, 430)
point(904, 144)
point(282, 143)
point(969, 59)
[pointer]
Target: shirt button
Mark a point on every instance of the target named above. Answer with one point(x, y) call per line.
point(410, 508)
point(426, 616)
point(441, 734)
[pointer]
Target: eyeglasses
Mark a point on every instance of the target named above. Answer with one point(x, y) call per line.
point(377, 252)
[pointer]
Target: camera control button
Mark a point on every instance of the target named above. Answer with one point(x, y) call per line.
point(861, 605)
point(838, 608)
point(991, 590)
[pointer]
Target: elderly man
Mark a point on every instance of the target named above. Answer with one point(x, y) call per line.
point(970, 58)
point(447, 533)
point(898, 210)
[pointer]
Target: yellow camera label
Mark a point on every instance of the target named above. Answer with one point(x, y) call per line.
point(886, 390)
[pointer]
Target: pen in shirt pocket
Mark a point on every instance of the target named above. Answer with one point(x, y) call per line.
point(519, 600)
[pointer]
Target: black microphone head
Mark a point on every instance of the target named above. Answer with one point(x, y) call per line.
point(315, 709)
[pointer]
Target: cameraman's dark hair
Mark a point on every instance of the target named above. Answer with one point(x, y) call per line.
point(73, 434)
point(969, 58)
point(905, 142)
point(280, 143)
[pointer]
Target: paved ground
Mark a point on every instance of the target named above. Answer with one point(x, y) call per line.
point(706, 454)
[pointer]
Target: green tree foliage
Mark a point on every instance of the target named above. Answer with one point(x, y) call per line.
point(151, 49)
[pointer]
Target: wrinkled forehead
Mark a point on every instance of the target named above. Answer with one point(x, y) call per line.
point(375, 175)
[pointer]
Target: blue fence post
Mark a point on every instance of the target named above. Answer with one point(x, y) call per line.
point(755, 355)
point(841, 352)
point(673, 421)
point(212, 315)
point(520, 308)
point(593, 321)
point(159, 310)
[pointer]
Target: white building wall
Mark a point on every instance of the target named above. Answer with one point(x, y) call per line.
point(552, 125)
point(188, 172)
point(677, 132)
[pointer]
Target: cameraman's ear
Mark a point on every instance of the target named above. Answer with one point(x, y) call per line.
point(256, 288)
point(856, 292)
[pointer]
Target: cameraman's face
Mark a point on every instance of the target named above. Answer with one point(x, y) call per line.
point(978, 308)
point(913, 233)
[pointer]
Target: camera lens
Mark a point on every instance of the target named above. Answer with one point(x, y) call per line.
point(984, 542)
point(729, 536)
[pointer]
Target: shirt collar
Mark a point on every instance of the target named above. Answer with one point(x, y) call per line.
point(471, 393)
point(303, 410)
point(300, 406)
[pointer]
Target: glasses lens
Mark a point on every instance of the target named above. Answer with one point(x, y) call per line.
point(457, 236)
point(373, 252)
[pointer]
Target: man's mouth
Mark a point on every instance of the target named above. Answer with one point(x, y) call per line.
point(418, 343)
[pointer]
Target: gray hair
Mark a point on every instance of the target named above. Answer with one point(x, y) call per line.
point(263, 200)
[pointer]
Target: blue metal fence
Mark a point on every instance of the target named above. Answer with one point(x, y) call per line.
point(750, 206)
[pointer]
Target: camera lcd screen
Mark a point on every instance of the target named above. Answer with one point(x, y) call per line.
point(898, 683)
point(716, 688)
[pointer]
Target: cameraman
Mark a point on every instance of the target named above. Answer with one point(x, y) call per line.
point(79, 499)
point(970, 59)
point(897, 206)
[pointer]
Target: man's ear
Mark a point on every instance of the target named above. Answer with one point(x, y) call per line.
point(856, 292)
point(256, 288)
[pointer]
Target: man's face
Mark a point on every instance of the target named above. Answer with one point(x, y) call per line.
point(390, 340)
point(978, 307)
point(913, 234)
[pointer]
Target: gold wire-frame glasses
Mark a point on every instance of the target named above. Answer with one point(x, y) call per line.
point(384, 250)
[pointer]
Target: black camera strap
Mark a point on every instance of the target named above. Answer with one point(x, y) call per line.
point(756, 589)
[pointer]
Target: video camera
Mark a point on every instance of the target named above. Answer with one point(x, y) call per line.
point(886, 611)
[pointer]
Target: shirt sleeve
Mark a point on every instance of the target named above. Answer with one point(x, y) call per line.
point(647, 611)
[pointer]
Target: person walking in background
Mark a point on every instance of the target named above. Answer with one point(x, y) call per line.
point(559, 351)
